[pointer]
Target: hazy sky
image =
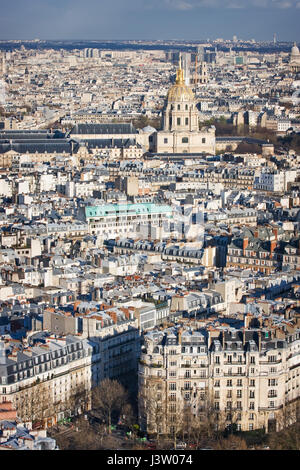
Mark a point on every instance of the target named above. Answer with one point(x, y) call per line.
point(150, 19)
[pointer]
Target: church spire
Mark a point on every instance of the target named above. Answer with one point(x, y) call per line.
point(179, 73)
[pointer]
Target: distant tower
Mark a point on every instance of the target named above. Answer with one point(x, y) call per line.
point(200, 54)
point(274, 38)
point(203, 73)
point(27, 76)
point(186, 66)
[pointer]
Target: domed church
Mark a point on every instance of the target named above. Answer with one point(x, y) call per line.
point(294, 62)
point(180, 133)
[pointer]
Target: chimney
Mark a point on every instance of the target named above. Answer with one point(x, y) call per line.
point(275, 231)
point(113, 316)
point(245, 244)
point(272, 247)
point(179, 335)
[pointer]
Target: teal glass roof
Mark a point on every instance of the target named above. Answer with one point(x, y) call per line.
point(107, 210)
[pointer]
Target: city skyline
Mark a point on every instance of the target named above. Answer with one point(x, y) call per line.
point(138, 19)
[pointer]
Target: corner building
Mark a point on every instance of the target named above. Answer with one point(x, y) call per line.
point(248, 377)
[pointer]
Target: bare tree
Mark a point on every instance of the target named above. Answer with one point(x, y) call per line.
point(79, 399)
point(109, 397)
point(207, 421)
point(176, 419)
point(152, 407)
point(232, 443)
point(288, 424)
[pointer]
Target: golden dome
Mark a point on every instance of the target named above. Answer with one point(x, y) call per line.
point(179, 91)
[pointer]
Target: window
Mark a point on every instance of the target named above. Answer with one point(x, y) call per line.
point(251, 405)
point(239, 393)
point(165, 140)
point(217, 359)
point(252, 383)
point(251, 394)
point(252, 360)
point(172, 386)
point(186, 121)
point(185, 140)
point(272, 382)
point(178, 121)
point(203, 140)
point(229, 383)
point(239, 382)
point(178, 107)
point(272, 358)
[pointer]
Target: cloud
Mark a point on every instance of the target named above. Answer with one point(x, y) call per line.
point(284, 5)
point(235, 5)
point(231, 4)
point(179, 4)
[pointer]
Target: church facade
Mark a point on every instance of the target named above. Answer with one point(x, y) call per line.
point(180, 132)
point(294, 61)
